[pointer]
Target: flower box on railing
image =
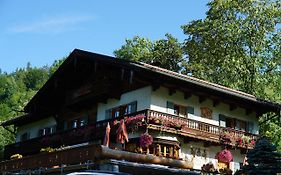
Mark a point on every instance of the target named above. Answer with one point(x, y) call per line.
point(167, 121)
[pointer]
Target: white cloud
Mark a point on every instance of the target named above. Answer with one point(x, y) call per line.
point(53, 25)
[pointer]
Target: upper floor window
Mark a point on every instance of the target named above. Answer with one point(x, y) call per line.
point(46, 131)
point(121, 110)
point(179, 110)
point(76, 123)
point(236, 123)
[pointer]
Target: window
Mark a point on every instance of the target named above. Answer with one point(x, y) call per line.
point(46, 131)
point(76, 123)
point(25, 136)
point(121, 110)
point(236, 123)
point(84, 121)
point(179, 110)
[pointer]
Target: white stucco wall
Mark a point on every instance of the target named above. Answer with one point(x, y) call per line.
point(34, 127)
point(142, 96)
point(160, 97)
point(198, 160)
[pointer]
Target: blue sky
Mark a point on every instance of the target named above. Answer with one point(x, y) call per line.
point(40, 32)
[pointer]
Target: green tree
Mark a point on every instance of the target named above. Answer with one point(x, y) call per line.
point(16, 89)
point(234, 44)
point(238, 45)
point(263, 159)
point(166, 52)
point(136, 49)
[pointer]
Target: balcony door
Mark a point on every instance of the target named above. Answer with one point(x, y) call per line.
point(236, 124)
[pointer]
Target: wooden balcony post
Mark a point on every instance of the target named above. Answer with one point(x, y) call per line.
point(164, 151)
point(147, 113)
point(171, 153)
point(158, 150)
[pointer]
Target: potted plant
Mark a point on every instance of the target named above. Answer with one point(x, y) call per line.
point(16, 156)
point(146, 140)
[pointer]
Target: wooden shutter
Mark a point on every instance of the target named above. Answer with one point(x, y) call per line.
point(108, 114)
point(40, 132)
point(170, 107)
point(189, 110)
point(53, 129)
point(65, 125)
point(222, 120)
point(133, 107)
point(250, 127)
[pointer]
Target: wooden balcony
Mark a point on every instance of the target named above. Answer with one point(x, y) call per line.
point(199, 130)
point(88, 133)
point(147, 118)
point(79, 157)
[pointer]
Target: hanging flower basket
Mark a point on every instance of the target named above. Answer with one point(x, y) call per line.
point(146, 140)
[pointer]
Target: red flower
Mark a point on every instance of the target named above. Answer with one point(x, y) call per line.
point(146, 140)
point(253, 142)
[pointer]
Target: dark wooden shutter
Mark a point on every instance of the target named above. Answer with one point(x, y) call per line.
point(189, 110)
point(134, 106)
point(40, 132)
point(108, 114)
point(170, 107)
point(250, 127)
point(222, 120)
point(65, 125)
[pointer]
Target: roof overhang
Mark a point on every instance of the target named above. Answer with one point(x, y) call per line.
point(70, 65)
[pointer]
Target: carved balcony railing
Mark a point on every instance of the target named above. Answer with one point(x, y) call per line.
point(146, 118)
point(87, 133)
point(200, 130)
point(78, 158)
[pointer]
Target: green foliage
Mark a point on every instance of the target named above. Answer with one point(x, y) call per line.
point(136, 49)
point(16, 89)
point(236, 44)
point(166, 52)
point(263, 159)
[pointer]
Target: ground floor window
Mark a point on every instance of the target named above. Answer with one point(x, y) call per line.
point(159, 147)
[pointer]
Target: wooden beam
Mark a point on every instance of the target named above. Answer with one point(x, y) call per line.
point(131, 77)
point(155, 87)
point(216, 103)
point(187, 95)
point(172, 91)
point(248, 111)
point(104, 101)
point(232, 107)
point(105, 152)
point(122, 74)
point(115, 95)
point(202, 99)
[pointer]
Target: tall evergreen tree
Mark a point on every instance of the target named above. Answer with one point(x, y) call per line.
point(263, 159)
